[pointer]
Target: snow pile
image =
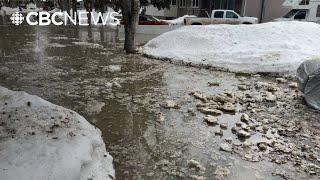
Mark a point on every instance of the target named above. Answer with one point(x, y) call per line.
point(7, 10)
point(269, 47)
point(40, 140)
point(179, 20)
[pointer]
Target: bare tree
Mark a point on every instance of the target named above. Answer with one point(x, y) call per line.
point(130, 13)
point(88, 5)
point(74, 9)
point(66, 5)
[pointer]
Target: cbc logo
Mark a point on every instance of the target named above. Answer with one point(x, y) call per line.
point(59, 18)
point(17, 18)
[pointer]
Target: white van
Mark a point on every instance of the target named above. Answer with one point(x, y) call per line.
point(302, 10)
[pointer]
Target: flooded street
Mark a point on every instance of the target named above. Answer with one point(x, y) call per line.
point(151, 113)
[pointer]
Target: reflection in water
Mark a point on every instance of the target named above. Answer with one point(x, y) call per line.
point(65, 66)
point(40, 44)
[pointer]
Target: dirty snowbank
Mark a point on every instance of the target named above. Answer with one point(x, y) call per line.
point(270, 47)
point(40, 140)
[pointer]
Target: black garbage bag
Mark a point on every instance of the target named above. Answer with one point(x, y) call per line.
point(308, 75)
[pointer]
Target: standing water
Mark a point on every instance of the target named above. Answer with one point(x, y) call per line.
point(86, 70)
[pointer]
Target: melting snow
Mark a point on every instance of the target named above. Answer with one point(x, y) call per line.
point(40, 140)
point(270, 47)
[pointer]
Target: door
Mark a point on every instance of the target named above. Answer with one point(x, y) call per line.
point(143, 20)
point(217, 17)
point(232, 18)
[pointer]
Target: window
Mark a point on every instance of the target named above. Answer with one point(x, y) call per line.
point(301, 15)
point(195, 3)
point(182, 3)
point(291, 13)
point(218, 14)
point(304, 2)
point(173, 2)
point(318, 11)
point(142, 18)
point(232, 15)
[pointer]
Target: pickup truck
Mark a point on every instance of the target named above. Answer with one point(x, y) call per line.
point(221, 17)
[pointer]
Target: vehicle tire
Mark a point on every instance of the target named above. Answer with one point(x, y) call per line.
point(196, 24)
point(247, 23)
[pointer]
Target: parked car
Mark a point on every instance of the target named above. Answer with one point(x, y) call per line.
point(149, 20)
point(221, 17)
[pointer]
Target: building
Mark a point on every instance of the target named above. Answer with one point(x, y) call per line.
point(164, 13)
point(265, 10)
point(201, 8)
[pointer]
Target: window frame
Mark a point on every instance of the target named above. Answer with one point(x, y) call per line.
point(195, 3)
point(182, 3)
point(175, 3)
point(304, 2)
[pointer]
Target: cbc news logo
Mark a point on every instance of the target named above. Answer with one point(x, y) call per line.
point(62, 18)
point(17, 18)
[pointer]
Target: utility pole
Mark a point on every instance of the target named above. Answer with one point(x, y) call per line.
point(210, 9)
point(262, 10)
point(244, 7)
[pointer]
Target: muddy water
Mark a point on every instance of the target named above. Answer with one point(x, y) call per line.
point(85, 69)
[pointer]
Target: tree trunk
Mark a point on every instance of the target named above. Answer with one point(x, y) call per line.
point(66, 6)
point(74, 10)
point(130, 13)
point(88, 6)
